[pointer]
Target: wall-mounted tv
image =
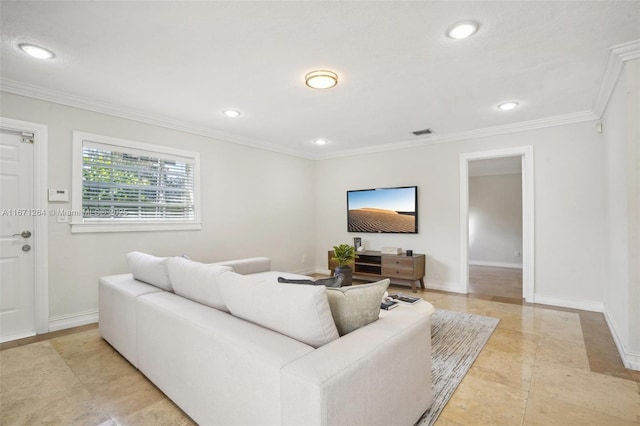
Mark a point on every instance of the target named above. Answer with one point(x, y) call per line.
point(383, 210)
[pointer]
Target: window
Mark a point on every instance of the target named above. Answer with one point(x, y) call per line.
point(121, 185)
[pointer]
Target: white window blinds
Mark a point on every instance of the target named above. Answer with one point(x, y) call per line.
point(123, 186)
point(119, 184)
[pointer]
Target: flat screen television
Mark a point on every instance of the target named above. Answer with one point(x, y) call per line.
point(383, 210)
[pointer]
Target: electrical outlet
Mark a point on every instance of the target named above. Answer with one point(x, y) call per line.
point(304, 258)
point(516, 253)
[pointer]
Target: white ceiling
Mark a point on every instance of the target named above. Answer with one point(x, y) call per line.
point(183, 63)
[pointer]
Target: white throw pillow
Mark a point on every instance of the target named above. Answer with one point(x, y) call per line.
point(150, 269)
point(197, 281)
point(356, 306)
point(298, 311)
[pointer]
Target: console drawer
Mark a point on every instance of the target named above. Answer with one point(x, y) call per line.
point(398, 261)
point(398, 267)
point(400, 273)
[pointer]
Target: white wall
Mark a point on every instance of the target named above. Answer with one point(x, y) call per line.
point(254, 203)
point(495, 220)
point(621, 125)
point(261, 203)
point(569, 212)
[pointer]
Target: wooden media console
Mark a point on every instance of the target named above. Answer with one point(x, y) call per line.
point(375, 265)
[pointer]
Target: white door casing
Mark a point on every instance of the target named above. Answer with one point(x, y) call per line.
point(24, 305)
point(17, 289)
point(528, 246)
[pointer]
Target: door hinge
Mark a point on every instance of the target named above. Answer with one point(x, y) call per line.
point(27, 137)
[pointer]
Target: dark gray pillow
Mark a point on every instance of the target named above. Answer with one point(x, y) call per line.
point(335, 281)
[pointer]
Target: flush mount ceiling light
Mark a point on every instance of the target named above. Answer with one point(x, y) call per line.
point(232, 113)
point(320, 142)
point(321, 79)
point(508, 106)
point(36, 51)
point(462, 30)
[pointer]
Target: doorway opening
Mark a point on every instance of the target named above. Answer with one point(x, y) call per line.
point(495, 227)
point(496, 223)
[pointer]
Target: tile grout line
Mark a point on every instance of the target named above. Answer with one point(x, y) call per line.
point(534, 369)
point(104, 411)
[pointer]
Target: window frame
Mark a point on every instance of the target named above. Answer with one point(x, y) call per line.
point(78, 223)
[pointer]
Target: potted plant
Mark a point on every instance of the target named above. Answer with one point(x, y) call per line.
point(345, 255)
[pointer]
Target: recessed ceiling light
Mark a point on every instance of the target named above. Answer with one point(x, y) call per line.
point(508, 106)
point(321, 79)
point(232, 113)
point(462, 30)
point(321, 142)
point(36, 51)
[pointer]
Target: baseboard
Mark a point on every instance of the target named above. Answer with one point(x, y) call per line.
point(495, 264)
point(306, 271)
point(450, 287)
point(630, 359)
point(585, 305)
point(18, 336)
point(322, 271)
point(73, 320)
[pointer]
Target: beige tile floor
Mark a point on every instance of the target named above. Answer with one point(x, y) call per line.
point(489, 280)
point(536, 369)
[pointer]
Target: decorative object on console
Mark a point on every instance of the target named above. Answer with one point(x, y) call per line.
point(345, 255)
point(383, 210)
point(391, 250)
point(357, 243)
point(409, 252)
point(334, 282)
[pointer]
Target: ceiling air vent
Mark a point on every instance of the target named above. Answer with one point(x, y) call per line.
point(423, 132)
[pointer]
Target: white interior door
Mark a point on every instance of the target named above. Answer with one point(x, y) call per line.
point(18, 212)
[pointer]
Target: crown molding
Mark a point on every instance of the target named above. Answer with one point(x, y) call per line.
point(86, 103)
point(558, 120)
point(618, 55)
point(41, 93)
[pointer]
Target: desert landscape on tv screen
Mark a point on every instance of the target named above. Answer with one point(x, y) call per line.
point(383, 210)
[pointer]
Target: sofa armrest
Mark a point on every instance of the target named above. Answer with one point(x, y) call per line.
point(377, 375)
point(117, 298)
point(250, 265)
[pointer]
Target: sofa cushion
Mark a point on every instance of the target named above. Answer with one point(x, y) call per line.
point(197, 281)
point(150, 269)
point(335, 281)
point(299, 311)
point(356, 306)
point(251, 265)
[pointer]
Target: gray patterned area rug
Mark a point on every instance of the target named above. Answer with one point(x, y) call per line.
point(456, 340)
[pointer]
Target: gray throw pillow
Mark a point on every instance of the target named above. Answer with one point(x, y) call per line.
point(356, 306)
point(327, 282)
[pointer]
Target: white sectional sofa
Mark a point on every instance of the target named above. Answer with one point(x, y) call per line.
point(224, 370)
